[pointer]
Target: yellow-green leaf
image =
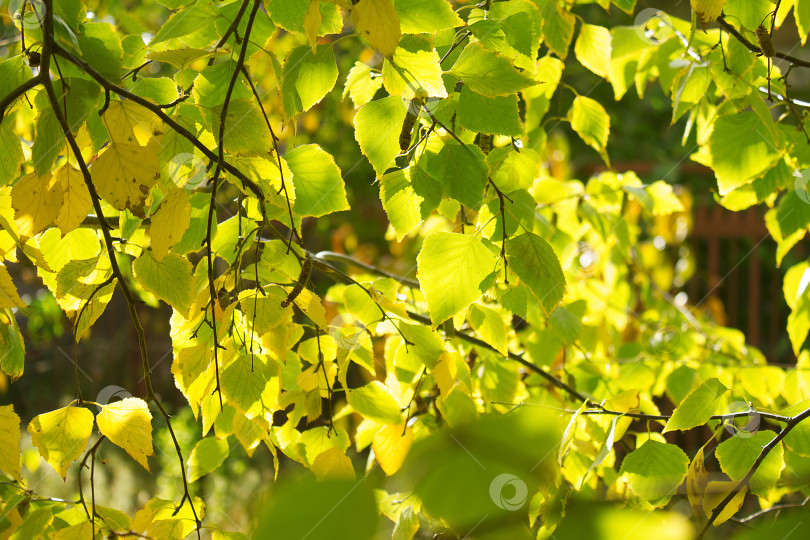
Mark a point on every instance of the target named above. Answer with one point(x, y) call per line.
point(9, 297)
point(170, 222)
point(333, 464)
point(128, 424)
point(129, 123)
point(591, 122)
point(391, 445)
point(312, 22)
point(708, 10)
point(169, 279)
point(453, 270)
point(378, 21)
point(76, 202)
point(716, 492)
point(125, 174)
point(375, 402)
point(10, 441)
point(36, 201)
point(206, 457)
point(593, 48)
point(61, 435)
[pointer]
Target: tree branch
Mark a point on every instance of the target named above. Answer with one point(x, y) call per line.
point(754, 48)
point(791, 423)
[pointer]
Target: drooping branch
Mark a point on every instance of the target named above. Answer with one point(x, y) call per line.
point(215, 183)
point(792, 422)
point(160, 113)
point(48, 48)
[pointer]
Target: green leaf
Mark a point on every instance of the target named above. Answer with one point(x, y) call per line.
point(460, 490)
point(593, 47)
point(414, 70)
point(61, 435)
point(319, 188)
point(12, 359)
point(462, 171)
point(322, 510)
point(408, 196)
point(537, 266)
point(211, 85)
point(49, 142)
point(101, 48)
point(245, 129)
point(487, 73)
point(377, 125)
point(488, 324)
point(250, 384)
point(737, 455)
point(170, 279)
point(453, 270)
point(798, 439)
point(375, 402)
point(591, 122)
point(498, 115)
point(655, 470)
point(206, 457)
point(289, 14)
point(307, 78)
point(186, 21)
point(754, 150)
point(801, 11)
point(425, 16)
point(696, 409)
point(558, 29)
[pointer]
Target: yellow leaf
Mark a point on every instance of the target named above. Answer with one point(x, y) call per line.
point(708, 10)
point(696, 480)
point(128, 424)
point(10, 441)
point(444, 371)
point(125, 173)
point(333, 464)
point(8, 292)
point(312, 22)
point(61, 435)
point(36, 201)
point(715, 493)
point(129, 123)
point(391, 444)
point(76, 203)
point(310, 303)
point(170, 222)
point(378, 21)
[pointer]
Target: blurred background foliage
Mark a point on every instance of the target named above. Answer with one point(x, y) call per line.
point(642, 139)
